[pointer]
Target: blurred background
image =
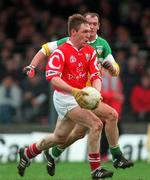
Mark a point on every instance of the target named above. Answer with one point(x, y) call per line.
point(26, 104)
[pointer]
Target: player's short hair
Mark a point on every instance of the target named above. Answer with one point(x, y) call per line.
point(92, 14)
point(75, 21)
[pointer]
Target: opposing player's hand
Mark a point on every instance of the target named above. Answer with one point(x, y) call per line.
point(29, 70)
point(79, 96)
point(107, 65)
point(113, 68)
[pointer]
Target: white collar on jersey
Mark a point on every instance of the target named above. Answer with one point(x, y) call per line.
point(69, 42)
point(94, 39)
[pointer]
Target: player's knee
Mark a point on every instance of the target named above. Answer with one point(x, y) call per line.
point(113, 115)
point(97, 126)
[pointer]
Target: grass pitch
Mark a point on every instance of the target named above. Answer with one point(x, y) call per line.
point(73, 171)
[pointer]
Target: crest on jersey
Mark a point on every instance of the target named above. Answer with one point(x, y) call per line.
point(88, 56)
point(99, 50)
point(73, 59)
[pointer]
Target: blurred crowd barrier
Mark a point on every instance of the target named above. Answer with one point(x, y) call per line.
point(132, 145)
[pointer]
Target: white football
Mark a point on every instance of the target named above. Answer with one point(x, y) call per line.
point(93, 97)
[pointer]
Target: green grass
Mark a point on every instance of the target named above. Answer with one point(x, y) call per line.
point(73, 171)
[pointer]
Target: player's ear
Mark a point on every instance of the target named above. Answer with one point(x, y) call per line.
point(98, 26)
point(73, 32)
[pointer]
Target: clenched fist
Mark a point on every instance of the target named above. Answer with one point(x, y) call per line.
point(29, 70)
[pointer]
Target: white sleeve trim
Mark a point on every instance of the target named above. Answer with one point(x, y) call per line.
point(109, 58)
point(51, 45)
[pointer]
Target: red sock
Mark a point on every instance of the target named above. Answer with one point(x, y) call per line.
point(94, 160)
point(32, 151)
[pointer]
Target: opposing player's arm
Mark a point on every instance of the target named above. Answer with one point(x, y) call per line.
point(45, 51)
point(95, 77)
point(108, 62)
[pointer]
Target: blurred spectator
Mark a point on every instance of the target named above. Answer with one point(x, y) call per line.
point(106, 29)
point(130, 77)
point(112, 94)
point(146, 33)
point(57, 28)
point(10, 100)
point(121, 58)
point(123, 39)
point(143, 62)
point(133, 20)
point(134, 49)
point(140, 99)
point(35, 100)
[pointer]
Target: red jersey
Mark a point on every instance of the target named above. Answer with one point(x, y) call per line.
point(72, 65)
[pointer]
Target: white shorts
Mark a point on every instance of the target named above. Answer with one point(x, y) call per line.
point(63, 103)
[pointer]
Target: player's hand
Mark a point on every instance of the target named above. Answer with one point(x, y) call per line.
point(107, 65)
point(79, 96)
point(29, 70)
point(113, 68)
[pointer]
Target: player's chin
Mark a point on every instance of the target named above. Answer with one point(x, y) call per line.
point(93, 33)
point(85, 43)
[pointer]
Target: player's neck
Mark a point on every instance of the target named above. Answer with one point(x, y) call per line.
point(75, 43)
point(92, 38)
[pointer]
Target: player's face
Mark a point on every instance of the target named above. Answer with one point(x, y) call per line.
point(82, 35)
point(94, 24)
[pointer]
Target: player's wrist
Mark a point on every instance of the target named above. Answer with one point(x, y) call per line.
point(74, 91)
point(32, 66)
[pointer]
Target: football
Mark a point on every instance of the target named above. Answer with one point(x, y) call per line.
point(93, 97)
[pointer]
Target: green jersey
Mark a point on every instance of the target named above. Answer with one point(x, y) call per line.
point(99, 44)
point(102, 48)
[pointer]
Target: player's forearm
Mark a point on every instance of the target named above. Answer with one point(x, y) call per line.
point(97, 84)
point(39, 57)
point(59, 83)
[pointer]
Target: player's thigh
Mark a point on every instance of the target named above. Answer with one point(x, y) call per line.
point(104, 111)
point(83, 117)
point(64, 127)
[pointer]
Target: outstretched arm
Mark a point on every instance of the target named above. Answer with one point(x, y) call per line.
point(39, 57)
point(45, 51)
point(30, 69)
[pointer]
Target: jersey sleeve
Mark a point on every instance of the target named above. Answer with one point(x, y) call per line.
point(55, 65)
point(49, 47)
point(107, 54)
point(107, 49)
point(93, 68)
